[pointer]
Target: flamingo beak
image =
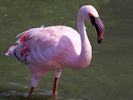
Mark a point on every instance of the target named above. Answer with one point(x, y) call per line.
point(98, 24)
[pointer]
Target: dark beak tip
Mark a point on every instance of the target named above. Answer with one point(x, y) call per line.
point(99, 41)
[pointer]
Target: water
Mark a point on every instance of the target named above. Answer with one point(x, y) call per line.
point(110, 76)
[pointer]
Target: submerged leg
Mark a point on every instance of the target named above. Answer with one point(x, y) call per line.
point(37, 74)
point(30, 92)
point(56, 81)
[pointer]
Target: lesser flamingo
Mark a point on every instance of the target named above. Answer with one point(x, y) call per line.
point(57, 47)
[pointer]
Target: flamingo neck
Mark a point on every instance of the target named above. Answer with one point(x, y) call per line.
point(85, 56)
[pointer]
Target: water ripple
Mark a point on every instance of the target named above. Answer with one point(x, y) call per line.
point(17, 84)
point(12, 93)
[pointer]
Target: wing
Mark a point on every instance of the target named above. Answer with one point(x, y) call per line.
point(48, 45)
point(26, 35)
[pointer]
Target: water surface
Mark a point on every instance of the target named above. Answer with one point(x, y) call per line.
point(110, 75)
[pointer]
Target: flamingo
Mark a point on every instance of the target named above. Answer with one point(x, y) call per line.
point(56, 47)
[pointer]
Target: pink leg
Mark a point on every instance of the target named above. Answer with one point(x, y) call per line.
point(55, 87)
point(30, 92)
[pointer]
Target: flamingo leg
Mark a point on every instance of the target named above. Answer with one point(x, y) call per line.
point(56, 81)
point(30, 92)
point(55, 86)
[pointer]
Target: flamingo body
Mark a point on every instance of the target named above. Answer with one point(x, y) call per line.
point(49, 47)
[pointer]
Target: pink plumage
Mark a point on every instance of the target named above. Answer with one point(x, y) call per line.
point(57, 47)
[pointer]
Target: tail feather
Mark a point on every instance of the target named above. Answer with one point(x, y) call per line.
point(10, 51)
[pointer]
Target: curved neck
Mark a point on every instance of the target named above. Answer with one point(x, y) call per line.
point(86, 50)
point(81, 28)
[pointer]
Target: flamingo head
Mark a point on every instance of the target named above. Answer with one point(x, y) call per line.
point(88, 12)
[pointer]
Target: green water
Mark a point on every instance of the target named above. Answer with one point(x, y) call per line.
point(110, 75)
